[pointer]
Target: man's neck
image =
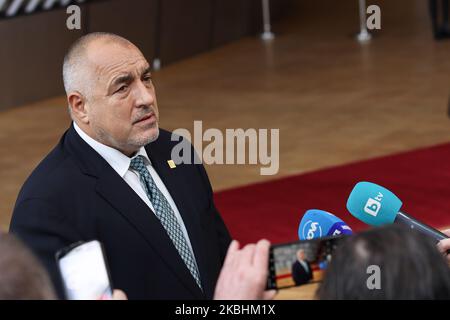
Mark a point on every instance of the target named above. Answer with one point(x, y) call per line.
point(89, 132)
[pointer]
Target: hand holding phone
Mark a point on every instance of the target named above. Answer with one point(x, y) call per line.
point(244, 273)
point(84, 271)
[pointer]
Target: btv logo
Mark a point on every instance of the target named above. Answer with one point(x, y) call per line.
point(373, 206)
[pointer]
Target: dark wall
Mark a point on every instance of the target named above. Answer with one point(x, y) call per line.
point(185, 28)
point(135, 20)
point(33, 46)
point(232, 20)
point(31, 53)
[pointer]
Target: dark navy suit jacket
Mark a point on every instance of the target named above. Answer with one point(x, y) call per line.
point(74, 194)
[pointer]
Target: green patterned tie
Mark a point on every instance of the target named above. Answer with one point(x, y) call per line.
point(166, 216)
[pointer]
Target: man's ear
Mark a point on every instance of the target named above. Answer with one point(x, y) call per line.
point(78, 107)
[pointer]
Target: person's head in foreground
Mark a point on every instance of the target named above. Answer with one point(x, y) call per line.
point(391, 262)
point(110, 91)
point(21, 275)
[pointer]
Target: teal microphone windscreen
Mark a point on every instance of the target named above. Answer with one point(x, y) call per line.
point(373, 204)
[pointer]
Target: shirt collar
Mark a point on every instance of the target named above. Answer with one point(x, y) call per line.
point(116, 159)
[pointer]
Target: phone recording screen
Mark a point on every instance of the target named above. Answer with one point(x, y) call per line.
point(299, 263)
point(84, 273)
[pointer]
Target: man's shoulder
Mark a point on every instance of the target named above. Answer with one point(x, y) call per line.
point(50, 176)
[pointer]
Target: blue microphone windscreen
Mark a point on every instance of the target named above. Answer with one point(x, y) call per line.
point(318, 223)
point(339, 228)
point(373, 204)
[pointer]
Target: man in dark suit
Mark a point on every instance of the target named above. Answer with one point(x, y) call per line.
point(111, 178)
point(301, 269)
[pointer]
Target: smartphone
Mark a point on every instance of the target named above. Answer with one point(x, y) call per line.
point(84, 271)
point(301, 262)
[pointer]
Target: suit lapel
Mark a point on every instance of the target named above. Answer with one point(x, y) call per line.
point(113, 189)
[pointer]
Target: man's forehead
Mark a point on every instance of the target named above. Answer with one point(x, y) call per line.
point(111, 59)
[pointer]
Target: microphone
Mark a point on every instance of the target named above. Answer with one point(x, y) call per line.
point(375, 206)
point(318, 223)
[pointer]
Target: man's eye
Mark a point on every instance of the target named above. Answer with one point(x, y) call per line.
point(122, 89)
point(147, 79)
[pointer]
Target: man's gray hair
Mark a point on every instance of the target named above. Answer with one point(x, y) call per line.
point(75, 58)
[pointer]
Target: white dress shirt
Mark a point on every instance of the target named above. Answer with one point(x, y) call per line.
point(121, 164)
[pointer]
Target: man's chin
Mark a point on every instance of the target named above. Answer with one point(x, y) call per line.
point(146, 137)
point(153, 135)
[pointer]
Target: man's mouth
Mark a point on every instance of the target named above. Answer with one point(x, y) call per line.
point(148, 118)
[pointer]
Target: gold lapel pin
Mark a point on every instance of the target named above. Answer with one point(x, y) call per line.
point(171, 164)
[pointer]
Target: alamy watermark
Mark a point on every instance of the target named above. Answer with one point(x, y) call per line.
point(374, 280)
point(234, 146)
point(374, 20)
point(73, 21)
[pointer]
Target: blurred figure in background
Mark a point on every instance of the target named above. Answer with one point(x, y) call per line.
point(301, 269)
point(409, 264)
point(22, 277)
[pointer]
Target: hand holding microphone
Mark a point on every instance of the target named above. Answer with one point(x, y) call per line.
point(444, 246)
point(376, 206)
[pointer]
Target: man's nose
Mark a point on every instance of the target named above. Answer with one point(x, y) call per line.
point(144, 96)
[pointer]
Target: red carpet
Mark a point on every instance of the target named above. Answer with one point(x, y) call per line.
point(272, 210)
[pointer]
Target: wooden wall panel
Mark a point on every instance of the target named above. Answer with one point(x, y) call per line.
point(32, 47)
